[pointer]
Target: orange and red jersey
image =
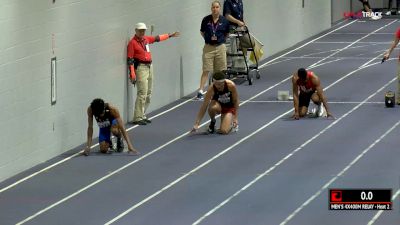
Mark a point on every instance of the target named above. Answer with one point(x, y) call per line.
point(398, 36)
point(307, 86)
point(139, 49)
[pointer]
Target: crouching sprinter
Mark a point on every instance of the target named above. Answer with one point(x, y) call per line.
point(109, 121)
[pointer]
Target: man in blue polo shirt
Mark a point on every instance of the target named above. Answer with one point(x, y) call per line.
point(233, 12)
point(214, 29)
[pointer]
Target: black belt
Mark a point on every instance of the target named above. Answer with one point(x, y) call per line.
point(145, 63)
point(215, 44)
point(137, 63)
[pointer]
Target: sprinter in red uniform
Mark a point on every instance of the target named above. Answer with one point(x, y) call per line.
point(221, 98)
point(306, 87)
point(386, 57)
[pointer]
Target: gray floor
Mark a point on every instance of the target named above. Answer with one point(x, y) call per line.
point(273, 171)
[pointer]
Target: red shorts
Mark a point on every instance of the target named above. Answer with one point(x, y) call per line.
point(225, 110)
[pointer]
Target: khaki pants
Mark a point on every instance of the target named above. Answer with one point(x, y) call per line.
point(144, 85)
point(214, 58)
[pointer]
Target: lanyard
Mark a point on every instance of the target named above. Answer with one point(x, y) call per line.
point(214, 28)
point(143, 44)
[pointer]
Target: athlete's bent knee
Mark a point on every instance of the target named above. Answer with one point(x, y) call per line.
point(115, 131)
point(224, 131)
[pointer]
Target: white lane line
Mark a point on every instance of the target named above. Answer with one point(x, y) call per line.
point(213, 158)
point(337, 24)
point(287, 156)
point(280, 61)
point(356, 41)
point(135, 161)
point(347, 58)
point(365, 151)
point(340, 33)
point(288, 58)
point(194, 170)
point(313, 40)
point(95, 145)
point(333, 50)
point(330, 102)
point(337, 57)
point(379, 213)
point(366, 64)
point(348, 42)
point(326, 62)
point(78, 153)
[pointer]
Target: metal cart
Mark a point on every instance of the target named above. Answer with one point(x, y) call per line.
point(239, 44)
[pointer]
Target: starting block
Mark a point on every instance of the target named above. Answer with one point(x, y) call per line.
point(390, 99)
point(283, 95)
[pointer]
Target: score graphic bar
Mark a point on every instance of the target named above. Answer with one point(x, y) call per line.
point(360, 199)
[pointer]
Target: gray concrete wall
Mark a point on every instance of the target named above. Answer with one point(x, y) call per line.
point(357, 5)
point(338, 8)
point(89, 39)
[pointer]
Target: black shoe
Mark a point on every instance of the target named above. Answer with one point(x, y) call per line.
point(211, 127)
point(147, 120)
point(120, 144)
point(199, 96)
point(140, 122)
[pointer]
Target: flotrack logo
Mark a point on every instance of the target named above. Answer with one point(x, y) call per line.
point(353, 15)
point(361, 14)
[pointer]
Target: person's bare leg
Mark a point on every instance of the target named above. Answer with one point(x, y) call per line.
point(321, 108)
point(303, 111)
point(213, 109)
point(203, 80)
point(226, 123)
point(315, 99)
point(116, 131)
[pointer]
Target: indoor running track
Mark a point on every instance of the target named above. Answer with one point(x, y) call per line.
point(275, 170)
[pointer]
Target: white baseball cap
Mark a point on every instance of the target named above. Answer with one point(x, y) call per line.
point(140, 26)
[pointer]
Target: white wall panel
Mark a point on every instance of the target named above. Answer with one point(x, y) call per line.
point(90, 38)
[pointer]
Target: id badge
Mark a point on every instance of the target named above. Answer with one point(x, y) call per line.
point(147, 48)
point(214, 38)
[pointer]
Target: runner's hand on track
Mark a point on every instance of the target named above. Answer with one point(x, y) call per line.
point(194, 128)
point(296, 116)
point(329, 115)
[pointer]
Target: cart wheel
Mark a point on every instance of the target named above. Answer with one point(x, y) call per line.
point(250, 77)
point(258, 74)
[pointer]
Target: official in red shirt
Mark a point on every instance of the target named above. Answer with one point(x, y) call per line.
point(306, 87)
point(141, 70)
point(386, 57)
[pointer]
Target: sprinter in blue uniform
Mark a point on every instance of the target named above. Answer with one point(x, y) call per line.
point(109, 121)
